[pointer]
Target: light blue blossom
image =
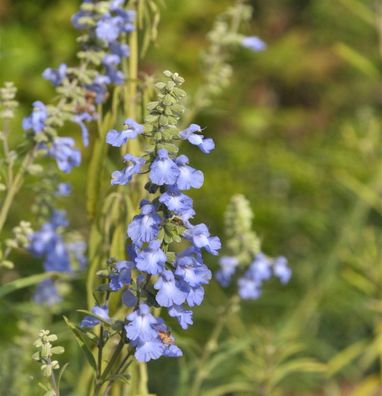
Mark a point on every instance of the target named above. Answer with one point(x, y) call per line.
point(101, 311)
point(121, 275)
point(260, 269)
point(152, 259)
point(195, 296)
point(36, 120)
point(176, 201)
point(249, 288)
point(172, 351)
point(124, 176)
point(129, 299)
point(63, 189)
point(65, 154)
point(228, 265)
point(108, 28)
point(281, 269)
point(140, 324)
point(81, 120)
point(57, 258)
point(194, 136)
point(46, 293)
point(170, 291)
point(151, 349)
point(201, 238)
point(253, 43)
point(43, 240)
point(77, 249)
point(163, 169)
point(55, 76)
point(183, 315)
point(188, 176)
point(145, 226)
point(132, 130)
point(192, 271)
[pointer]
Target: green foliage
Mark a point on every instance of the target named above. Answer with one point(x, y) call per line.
point(301, 139)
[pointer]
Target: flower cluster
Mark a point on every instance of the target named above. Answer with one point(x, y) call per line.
point(48, 243)
point(104, 26)
point(154, 275)
point(224, 37)
point(45, 355)
point(246, 259)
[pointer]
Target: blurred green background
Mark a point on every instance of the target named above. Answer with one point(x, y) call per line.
point(299, 133)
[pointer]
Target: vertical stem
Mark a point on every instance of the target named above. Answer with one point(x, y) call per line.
point(14, 188)
point(211, 346)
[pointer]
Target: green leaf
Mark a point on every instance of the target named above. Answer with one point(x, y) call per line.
point(81, 340)
point(28, 281)
point(357, 60)
point(93, 315)
point(120, 377)
point(227, 389)
point(60, 374)
point(345, 357)
point(360, 10)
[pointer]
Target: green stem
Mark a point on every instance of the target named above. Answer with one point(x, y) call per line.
point(14, 188)
point(109, 367)
point(211, 346)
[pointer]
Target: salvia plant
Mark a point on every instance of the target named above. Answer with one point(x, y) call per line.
point(143, 255)
point(244, 258)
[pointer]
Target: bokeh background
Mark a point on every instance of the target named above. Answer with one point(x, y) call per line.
point(299, 133)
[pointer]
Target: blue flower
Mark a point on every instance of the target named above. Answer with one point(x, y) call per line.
point(43, 240)
point(195, 296)
point(57, 258)
point(175, 201)
point(148, 350)
point(200, 237)
point(141, 324)
point(36, 121)
point(77, 249)
point(188, 176)
point(111, 60)
point(249, 288)
point(151, 259)
point(167, 340)
point(123, 177)
point(183, 315)
point(80, 119)
point(227, 269)
point(63, 189)
point(281, 269)
point(132, 130)
point(59, 219)
point(46, 293)
point(127, 19)
point(253, 43)
point(80, 20)
point(99, 87)
point(121, 275)
point(55, 76)
point(65, 154)
point(129, 299)
point(163, 169)
point(108, 28)
point(192, 271)
point(90, 321)
point(190, 134)
point(260, 268)
point(121, 50)
point(170, 291)
point(172, 351)
point(145, 226)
